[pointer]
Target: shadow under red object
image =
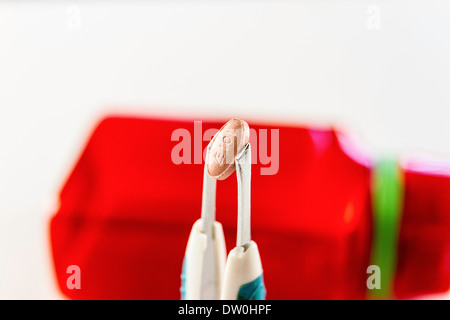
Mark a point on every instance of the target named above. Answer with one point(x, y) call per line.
point(126, 212)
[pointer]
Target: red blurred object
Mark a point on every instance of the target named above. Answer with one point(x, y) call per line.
point(126, 212)
point(424, 243)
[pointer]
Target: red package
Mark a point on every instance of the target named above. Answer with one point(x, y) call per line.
point(127, 209)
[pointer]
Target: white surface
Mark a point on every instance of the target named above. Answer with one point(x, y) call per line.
point(306, 61)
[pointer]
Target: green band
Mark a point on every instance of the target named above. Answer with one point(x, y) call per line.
point(387, 193)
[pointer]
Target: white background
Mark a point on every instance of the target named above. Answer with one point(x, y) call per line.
point(63, 65)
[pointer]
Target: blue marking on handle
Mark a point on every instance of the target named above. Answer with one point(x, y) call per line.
point(183, 280)
point(254, 290)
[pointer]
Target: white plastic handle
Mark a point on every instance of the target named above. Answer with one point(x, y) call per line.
point(243, 268)
point(192, 287)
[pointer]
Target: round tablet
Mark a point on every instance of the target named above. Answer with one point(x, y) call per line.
point(226, 144)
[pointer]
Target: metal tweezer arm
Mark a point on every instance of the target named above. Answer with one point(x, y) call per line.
point(243, 174)
point(209, 272)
